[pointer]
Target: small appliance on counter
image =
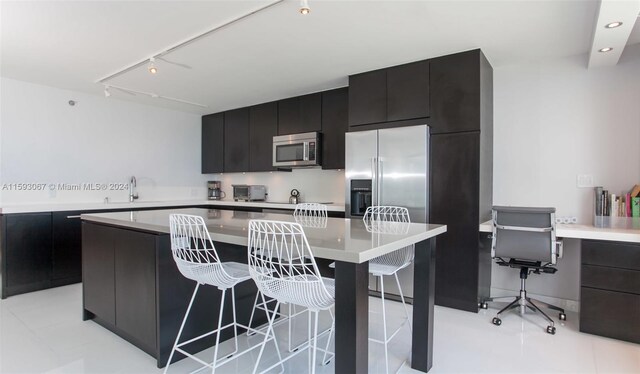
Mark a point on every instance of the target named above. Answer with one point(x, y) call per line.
point(246, 192)
point(295, 197)
point(214, 190)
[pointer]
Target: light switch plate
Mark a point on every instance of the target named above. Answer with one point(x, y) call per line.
point(584, 180)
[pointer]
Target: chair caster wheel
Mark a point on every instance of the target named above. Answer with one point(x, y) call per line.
point(551, 330)
point(563, 317)
point(496, 321)
point(484, 305)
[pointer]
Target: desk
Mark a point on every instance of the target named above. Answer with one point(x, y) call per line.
point(609, 276)
point(346, 241)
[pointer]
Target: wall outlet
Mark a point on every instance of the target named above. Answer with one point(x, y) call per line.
point(584, 180)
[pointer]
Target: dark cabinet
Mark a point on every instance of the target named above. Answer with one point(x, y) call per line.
point(26, 262)
point(368, 98)
point(457, 103)
point(213, 143)
point(263, 126)
point(236, 140)
point(299, 114)
point(408, 91)
point(395, 94)
point(135, 277)
point(66, 264)
point(98, 277)
point(610, 289)
point(335, 123)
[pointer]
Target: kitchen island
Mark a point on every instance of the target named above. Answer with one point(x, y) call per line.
point(132, 287)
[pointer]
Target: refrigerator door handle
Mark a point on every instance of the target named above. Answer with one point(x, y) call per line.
point(380, 173)
point(374, 181)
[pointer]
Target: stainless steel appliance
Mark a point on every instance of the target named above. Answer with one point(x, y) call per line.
point(295, 197)
point(388, 167)
point(214, 190)
point(248, 192)
point(297, 150)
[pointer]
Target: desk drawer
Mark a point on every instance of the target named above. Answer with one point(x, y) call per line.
point(613, 254)
point(614, 279)
point(611, 314)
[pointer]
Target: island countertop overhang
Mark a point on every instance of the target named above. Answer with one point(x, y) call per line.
point(338, 239)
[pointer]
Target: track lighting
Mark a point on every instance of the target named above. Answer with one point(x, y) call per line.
point(152, 67)
point(304, 7)
point(106, 91)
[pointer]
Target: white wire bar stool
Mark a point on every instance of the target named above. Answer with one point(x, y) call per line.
point(196, 258)
point(310, 210)
point(389, 220)
point(291, 282)
point(307, 215)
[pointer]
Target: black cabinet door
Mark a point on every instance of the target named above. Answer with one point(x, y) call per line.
point(236, 140)
point(335, 123)
point(455, 92)
point(300, 114)
point(408, 91)
point(453, 199)
point(28, 249)
point(213, 143)
point(135, 285)
point(263, 126)
point(368, 98)
point(67, 246)
point(98, 276)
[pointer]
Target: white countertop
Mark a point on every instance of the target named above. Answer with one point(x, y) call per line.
point(620, 230)
point(31, 208)
point(333, 238)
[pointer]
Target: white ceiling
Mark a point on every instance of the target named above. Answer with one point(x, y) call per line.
point(276, 53)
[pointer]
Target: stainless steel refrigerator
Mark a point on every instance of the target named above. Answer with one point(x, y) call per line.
point(388, 167)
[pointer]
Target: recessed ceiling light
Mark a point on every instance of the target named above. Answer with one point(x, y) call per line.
point(607, 49)
point(152, 67)
point(106, 91)
point(304, 7)
point(613, 25)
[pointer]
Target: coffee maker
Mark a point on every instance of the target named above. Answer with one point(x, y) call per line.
point(214, 191)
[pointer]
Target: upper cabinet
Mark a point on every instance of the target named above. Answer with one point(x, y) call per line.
point(335, 123)
point(387, 95)
point(300, 114)
point(458, 84)
point(263, 126)
point(213, 143)
point(236, 140)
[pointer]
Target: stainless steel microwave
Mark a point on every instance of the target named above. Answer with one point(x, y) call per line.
point(297, 150)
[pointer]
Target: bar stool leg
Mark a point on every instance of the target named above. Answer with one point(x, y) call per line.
point(184, 320)
point(235, 323)
point(215, 351)
point(384, 326)
point(406, 310)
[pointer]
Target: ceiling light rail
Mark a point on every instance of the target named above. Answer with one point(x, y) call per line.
point(185, 43)
point(130, 91)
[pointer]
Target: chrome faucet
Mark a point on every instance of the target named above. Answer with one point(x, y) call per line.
point(132, 189)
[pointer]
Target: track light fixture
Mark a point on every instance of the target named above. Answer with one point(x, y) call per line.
point(152, 66)
point(106, 91)
point(304, 7)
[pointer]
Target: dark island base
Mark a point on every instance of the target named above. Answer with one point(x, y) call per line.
point(132, 287)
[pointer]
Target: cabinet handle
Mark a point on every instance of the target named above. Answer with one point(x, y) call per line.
point(78, 216)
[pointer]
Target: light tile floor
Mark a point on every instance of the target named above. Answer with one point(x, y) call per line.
point(43, 332)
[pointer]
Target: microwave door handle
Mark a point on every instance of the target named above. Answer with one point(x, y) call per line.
point(305, 151)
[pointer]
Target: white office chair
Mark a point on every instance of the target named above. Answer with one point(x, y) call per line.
point(381, 219)
point(524, 238)
point(291, 282)
point(307, 215)
point(197, 259)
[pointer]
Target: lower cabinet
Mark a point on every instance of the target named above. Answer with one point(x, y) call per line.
point(25, 252)
point(65, 255)
point(610, 289)
point(132, 286)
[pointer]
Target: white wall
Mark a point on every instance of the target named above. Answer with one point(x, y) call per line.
point(552, 121)
point(99, 140)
